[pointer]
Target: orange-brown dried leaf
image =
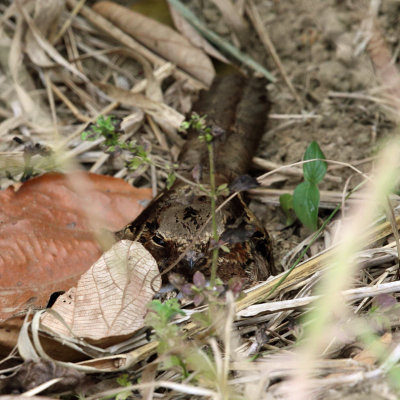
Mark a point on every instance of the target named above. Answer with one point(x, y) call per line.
point(47, 232)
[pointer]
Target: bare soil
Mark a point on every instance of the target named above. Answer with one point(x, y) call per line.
point(320, 44)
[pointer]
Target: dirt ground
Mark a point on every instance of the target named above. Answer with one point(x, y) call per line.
point(321, 46)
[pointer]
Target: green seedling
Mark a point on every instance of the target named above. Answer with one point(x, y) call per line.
point(123, 380)
point(109, 129)
point(192, 358)
point(305, 199)
point(286, 203)
point(168, 335)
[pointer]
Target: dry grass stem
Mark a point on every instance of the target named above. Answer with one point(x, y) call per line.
point(254, 15)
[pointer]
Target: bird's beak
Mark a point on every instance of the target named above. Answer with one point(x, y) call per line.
point(192, 257)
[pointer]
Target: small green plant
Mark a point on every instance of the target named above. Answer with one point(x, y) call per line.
point(208, 135)
point(194, 358)
point(201, 293)
point(109, 128)
point(305, 199)
point(123, 380)
point(169, 335)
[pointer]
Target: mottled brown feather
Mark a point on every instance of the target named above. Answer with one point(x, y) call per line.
point(172, 220)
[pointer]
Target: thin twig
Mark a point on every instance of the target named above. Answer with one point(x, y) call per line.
point(298, 172)
point(254, 15)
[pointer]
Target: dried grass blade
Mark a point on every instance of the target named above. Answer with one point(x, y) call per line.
point(265, 39)
point(159, 111)
point(46, 17)
point(221, 43)
point(116, 33)
point(193, 36)
point(47, 47)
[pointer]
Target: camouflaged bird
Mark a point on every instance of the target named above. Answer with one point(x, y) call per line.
point(236, 108)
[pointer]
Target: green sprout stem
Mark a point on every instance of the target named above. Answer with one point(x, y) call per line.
point(213, 196)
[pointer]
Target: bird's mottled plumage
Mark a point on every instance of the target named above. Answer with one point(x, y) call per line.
point(239, 107)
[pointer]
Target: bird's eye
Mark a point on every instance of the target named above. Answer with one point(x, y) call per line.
point(158, 240)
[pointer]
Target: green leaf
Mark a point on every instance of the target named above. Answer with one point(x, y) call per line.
point(185, 125)
point(123, 380)
point(167, 310)
point(222, 189)
point(141, 152)
point(286, 203)
point(85, 135)
point(314, 171)
point(225, 248)
point(123, 395)
point(305, 204)
point(171, 178)
point(135, 163)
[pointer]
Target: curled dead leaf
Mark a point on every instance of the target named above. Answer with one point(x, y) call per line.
point(111, 297)
point(160, 38)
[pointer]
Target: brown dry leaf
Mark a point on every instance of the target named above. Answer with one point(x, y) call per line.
point(111, 297)
point(367, 356)
point(194, 36)
point(10, 332)
point(46, 237)
point(160, 38)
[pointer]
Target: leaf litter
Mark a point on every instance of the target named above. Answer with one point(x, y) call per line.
point(49, 229)
point(71, 56)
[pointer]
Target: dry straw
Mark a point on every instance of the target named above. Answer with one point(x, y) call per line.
point(330, 309)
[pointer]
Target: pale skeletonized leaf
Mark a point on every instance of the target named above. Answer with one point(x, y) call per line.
point(160, 38)
point(111, 297)
point(194, 36)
